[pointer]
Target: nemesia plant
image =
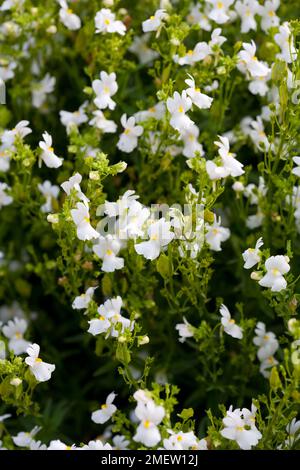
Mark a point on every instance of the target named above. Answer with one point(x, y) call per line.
point(150, 223)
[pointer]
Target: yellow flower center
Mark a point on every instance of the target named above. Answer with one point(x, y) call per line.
point(190, 52)
point(70, 11)
point(146, 424)
point(270, 360)
point(215, 231)
point(266, 337)
point(86, 219)
point(232, 321)
point(107, 21)
point(151, 110)
point(38, 360)
point(18, 335)
point(197, 90)
point(152, 17)
point(106, 89)
point(68, 448)
point(127, 131)
point(220, 5)
point(104, 406)
point(275, 271)
point(109, 252)
point(240, 428)
point(179, 438)
point(271, 13)
point(154, 237)
point(254, 58)
point(180, 109)
point(102, 318)
point(51, 149)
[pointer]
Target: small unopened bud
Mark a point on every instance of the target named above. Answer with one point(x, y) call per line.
point(256, 275)
point(293, 325)
point(175, 42)
point(287, 259)
point(221, 70)
point(143, 340)
point(53, 218)
point(34, 10)
point(52, 29)
point(120, 167)
point(108, 3)
point(15, 382)
point(238, 186)
point(122, 339)
point(94, 175)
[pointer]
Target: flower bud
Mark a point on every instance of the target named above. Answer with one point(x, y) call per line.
point(143, 340)
point(15, 382)
point(53, 218)
point(256, 275)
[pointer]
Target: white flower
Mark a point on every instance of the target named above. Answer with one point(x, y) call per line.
point(107, 249)
point(230, 327)
point(68, 17)
point(120, 442)
point(10, 4)
point(73, 119)
point(110, 316)
point(120, 208)
point(296, 170)
point(74, 183)
point(259, 86)
point(140, 47)
point(239, 428)
point(106, 411)
point(248, 61)
point(160, 236)
point(178, 105)
point(149, 415)
point(50, 192)
point(24, 439)
point(131, 222)
point(199, 99)
point(247, 9)
point(191, 144)
point(216, 172)
point(40, 369)
point(5, 199)
point(48, 156)
point(219, 12)
point(14, 331)
point(59, 445)
point(252, 256)
point(81, 218)
point(181, 441)
point(156, 112)
point(200, 52)
point(293, 432)
point(267, 12)
point(96, 445)
point(83, 300)
point(196, 16)
point(215, 235)
point(230, 163)
point(107, 126)
point(105, 22)
point(42, 89)
point(37, 445)
point(284, 39)
point(154, 22)
point(185, 330)
point(4, 160)
point(266, 365)
point(105, 88)
point(20, 131)
point(276, 266)
point(257, 134)
point(266, 341)
point(7, 71)
point(128, 140)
